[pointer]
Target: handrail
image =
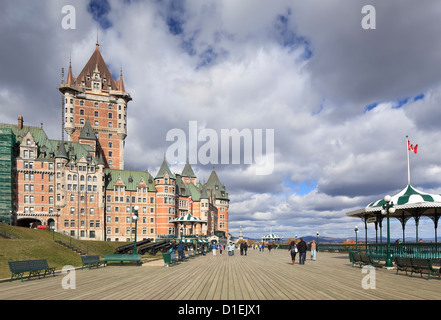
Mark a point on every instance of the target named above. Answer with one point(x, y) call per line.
point(412, 250)
point(78, 245)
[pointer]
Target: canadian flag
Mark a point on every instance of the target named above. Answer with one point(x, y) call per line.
point(189, 200)
point(411, 147)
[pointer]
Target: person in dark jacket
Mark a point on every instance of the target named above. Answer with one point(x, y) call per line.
point(302, 251)
point(180, 248)
point(293, 251)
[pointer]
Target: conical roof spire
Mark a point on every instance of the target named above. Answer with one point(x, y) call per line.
point(163, 170)
point(121, 82)
point(70, 79)
point(87, 131)
point(188, 171)
point(61, 151)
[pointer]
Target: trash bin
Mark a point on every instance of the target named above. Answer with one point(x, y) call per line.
point(167, 258)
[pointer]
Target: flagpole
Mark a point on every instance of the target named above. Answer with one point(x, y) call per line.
point(408, 162)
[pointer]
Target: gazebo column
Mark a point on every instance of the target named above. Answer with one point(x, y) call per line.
point(378, 223)
point(435, 219)
point(403, 219)
point(365, 232)
point(417, 216)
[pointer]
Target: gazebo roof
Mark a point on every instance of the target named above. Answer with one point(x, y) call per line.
point(271, 236)
point(408, 198)
point(188, 218)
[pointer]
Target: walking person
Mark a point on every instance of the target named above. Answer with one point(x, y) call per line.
point(230, 249)
point(293, 251)
point(214, 248)
point(313, 250)
point(241, 248)
point(180, 248)
point(302, 251)
point(221, 248)
point(245, 248)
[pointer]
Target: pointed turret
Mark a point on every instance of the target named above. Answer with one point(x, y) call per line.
point(215, 187)
point(188, 171)
point(70, 78)
point(61, 151)
point(87, 132)
point(121, 82)
point(163, 170)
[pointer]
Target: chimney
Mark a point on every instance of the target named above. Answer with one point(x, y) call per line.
point(20, 122)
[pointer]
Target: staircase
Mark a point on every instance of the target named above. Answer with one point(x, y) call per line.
point(74, 249)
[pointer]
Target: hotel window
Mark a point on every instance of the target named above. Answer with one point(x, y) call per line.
point(81, 103)
point(96, 123)
point(109, 115)
point(82, 112)
point(96, 104)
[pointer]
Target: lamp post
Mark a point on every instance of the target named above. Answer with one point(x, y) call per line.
point(356, 239)
point(135, 218)
point(388, 207)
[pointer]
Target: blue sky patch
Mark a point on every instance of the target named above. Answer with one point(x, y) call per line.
point(99, 10)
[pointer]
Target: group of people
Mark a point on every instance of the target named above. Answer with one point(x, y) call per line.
point(220, 246)
point(301, 248)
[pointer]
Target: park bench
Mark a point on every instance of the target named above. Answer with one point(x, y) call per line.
point(354, 258)
point(34, 267)
point(123, 257)
point(424, 265)
point(367, 260)
point(403, 264)
point(90, 261)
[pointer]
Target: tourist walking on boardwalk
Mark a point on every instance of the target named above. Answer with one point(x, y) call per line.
point(313, 250)
point(214, 248)
point(245, 248)
point(230, 249)
point(293, 251)
point(180, 248)
point(221, 248)
point(302, 251)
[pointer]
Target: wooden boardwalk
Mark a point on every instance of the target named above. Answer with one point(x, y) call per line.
point(257, 276)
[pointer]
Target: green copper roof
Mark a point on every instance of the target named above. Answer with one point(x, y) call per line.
point(130, 178)
point(188, 171)
point(61, 151)
point(87, 131)
point(193, 192)
point(215, 187)
point(165, 169)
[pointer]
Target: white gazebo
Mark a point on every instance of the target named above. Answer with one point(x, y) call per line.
point(408, 203)
point(187, 220)
point(271, 237)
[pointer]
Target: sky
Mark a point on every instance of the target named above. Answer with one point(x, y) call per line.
point(332, 99)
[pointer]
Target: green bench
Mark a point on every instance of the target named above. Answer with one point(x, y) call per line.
point(34, 267)
point(122, 257)
point(91, 260)
point(424, 265)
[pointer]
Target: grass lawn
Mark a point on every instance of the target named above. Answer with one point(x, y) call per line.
point(27, 244)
